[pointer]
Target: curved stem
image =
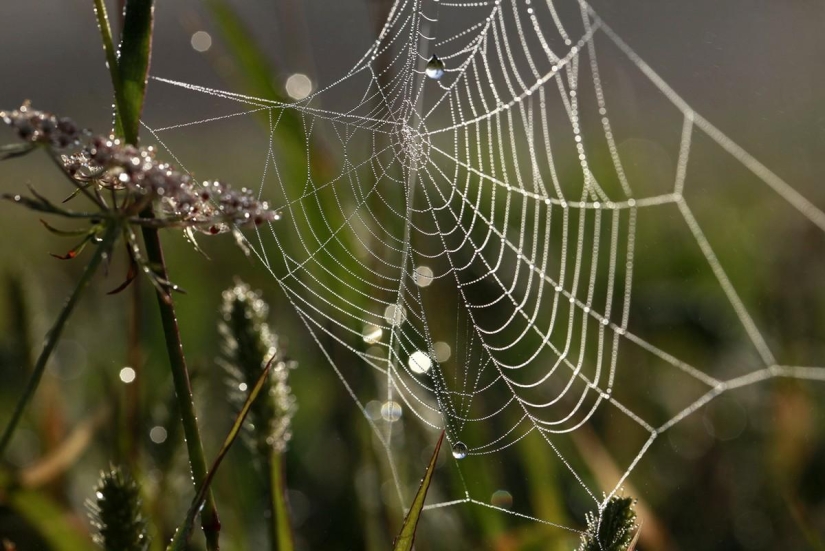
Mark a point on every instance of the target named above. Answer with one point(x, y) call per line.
point(183, 389)
point(54, 333)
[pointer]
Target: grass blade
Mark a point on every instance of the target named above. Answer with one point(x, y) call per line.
point(129, 75)
point(253, 62)
point(282, 536)
point(15, 150)
point(53, 336)
point(133, 64)
point(50, 521)
point(404, 540)
point(184, 531)
point(130, 69)
point(111, 60)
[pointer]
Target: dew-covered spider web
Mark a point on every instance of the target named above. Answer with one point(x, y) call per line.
point(465, 229)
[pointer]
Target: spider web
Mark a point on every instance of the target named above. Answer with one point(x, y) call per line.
point(475, 245)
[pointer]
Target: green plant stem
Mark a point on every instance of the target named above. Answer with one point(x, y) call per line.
point(181, 539)
point(54, 333)
point(281, 538)
point(129, 73)
point(111, 61)
point(183, 388)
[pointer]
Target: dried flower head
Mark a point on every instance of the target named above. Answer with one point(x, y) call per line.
point(104, 162)
point(211, 206)
point(40, 127)
point(248, 345)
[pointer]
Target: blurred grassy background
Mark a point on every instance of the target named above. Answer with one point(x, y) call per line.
point(745, 473)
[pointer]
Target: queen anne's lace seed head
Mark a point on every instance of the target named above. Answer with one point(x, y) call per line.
point(212, 207)
point(40, 127)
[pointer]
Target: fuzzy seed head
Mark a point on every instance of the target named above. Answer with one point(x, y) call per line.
point(248, 345)
point(613, 529)
point(116, 514)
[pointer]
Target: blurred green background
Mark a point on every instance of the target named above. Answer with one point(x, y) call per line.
point(747, 472)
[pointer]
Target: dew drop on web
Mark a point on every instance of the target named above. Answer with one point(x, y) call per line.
point(435, 68)
point(459, 450)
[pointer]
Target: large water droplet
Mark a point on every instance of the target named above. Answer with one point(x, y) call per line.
point(420, 362)
point(459, 450)
point(372, 334)
point(395, 314)
point(391, 411)
point(435, 68)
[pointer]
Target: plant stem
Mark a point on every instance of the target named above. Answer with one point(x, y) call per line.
point(183, 389)
point(111, 61)
point(281, 538)
point(54, 333)
point(129, 73)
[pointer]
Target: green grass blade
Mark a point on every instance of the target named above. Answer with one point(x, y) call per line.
point(184, 531)
point(281, 522)
point(50, 521)
point(129, 71)
point(405, 539)
point(133, 65)
point(111, 60)
point(15, 150)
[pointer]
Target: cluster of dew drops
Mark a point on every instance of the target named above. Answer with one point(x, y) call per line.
point(435, 70)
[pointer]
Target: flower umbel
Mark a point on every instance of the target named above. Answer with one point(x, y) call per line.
point(39, 127)
point(124, 182)
point(134, 177)
point(212, 207)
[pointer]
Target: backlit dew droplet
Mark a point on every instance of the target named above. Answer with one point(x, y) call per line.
point(420, 362)
point(435, 68)
point(391, 411)
point(423, 276)
point(298, 86)
point(459, 450)
point(502, 499)
point(372, 334)
point(442, 351)
point(158, 434)
point(395, 314)
point(201, 41)
point(127, 375)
